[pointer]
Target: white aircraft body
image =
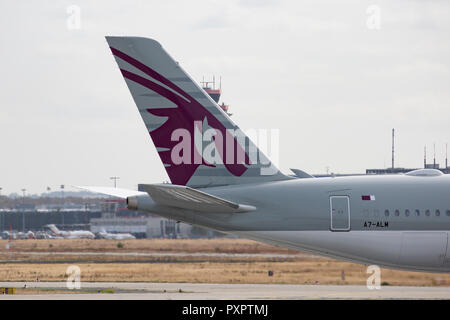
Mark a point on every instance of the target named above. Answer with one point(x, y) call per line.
point(18, 235)
point(75, 234)
point(114, 236)
point(221, 180)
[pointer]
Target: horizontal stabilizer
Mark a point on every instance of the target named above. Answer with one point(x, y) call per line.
point(115, 192)
point(301, 174)
point(187, 198)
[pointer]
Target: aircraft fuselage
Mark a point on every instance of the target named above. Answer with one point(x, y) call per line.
point(397, 221)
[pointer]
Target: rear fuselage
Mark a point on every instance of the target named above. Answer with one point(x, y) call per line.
point(397, 221)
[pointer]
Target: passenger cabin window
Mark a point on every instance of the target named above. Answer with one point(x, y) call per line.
point(437, 212)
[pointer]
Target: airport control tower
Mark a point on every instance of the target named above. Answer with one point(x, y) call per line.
point(215, 93)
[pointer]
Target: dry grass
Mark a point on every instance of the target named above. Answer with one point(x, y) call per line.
point(144, 245)
point(297, 272)
point(300, 269)
point(98, 258)
point(40, 291)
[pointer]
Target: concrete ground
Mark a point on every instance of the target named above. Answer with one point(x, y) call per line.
point(197, 291)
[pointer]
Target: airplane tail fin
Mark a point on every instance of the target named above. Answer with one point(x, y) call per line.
point(197, 142)
point(54, 229)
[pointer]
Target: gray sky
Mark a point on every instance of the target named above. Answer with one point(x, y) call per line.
point(312, 69)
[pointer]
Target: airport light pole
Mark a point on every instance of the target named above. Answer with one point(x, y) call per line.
point(446, 160)
point(63, 203)
point(1, 216)
point(23, 209)
point(115, 180)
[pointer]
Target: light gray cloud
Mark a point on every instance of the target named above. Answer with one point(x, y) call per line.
point(312, 69)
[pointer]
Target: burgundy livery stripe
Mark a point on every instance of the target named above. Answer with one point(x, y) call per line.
point(147, 70)
point(188, 112)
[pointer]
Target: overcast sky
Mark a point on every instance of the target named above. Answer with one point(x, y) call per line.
point(325, 73)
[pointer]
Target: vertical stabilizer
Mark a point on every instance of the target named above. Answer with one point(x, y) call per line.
point(197, 142)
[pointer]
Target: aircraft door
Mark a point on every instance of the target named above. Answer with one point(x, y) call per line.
point(339, 213)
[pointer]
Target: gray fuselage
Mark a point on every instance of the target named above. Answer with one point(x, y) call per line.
point(397, 221)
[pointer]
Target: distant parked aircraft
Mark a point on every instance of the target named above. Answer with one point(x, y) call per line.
point(77, 234)
point(17, 235)
point(115, 236)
